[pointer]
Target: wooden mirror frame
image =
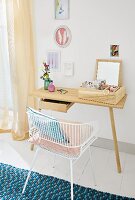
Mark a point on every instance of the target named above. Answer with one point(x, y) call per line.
point(114, 61)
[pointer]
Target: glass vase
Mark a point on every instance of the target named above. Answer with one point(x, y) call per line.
point(46, 83)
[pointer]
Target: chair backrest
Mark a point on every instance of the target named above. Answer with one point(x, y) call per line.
point(70, 134)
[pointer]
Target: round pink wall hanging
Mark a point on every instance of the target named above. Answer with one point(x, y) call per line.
point(62, 36)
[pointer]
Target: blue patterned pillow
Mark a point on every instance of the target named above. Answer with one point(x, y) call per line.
point(51, 128)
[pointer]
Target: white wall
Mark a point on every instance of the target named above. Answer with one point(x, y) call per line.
point(95, 24)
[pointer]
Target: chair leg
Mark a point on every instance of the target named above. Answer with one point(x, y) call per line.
point(71, 173)
point(92, 167)
point(28, 176)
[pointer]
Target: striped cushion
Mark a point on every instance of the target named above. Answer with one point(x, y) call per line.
point(48, 126)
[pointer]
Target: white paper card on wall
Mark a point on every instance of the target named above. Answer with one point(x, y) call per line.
point(68, 69)
point(53, 60)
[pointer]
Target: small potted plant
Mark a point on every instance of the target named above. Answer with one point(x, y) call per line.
point(45, 76)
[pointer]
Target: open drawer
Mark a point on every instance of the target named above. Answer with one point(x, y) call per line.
point(61, 106)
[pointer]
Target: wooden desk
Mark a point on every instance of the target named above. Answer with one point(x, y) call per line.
point(72, 96)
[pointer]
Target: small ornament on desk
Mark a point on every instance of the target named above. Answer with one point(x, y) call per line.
point(45, 75)
point(51, 87)
point(112, 88)
point(96, 84)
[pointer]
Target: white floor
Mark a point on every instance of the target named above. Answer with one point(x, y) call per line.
point(19, 154)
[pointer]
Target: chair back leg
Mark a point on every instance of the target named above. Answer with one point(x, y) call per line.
point(71, 174)
point(32, 165)
point(92, 167)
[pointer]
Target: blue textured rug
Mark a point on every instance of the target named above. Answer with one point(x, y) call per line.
point(42, 187)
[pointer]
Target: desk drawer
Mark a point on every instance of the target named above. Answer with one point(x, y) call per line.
point(61, 106)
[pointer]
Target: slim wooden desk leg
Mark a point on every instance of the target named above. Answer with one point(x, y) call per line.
point(115, 140)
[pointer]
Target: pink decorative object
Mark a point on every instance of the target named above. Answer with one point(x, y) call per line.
point(51, 87)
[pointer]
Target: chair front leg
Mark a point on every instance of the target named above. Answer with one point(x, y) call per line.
point(71, 174)
point(32, 165)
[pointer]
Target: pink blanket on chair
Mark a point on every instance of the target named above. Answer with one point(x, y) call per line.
point(58, 148)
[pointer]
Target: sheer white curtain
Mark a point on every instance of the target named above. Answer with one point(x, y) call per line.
point(22, 62)
point(17, 64)
point(5, 81)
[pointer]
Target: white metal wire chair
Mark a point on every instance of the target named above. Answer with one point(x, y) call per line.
point(67, 139)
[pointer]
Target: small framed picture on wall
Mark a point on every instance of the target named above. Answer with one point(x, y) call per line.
point(53, 60)
point(62, 36)
point(114, 50)
point(61, 9)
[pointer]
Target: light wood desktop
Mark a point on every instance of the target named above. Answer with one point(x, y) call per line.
point(72, 97)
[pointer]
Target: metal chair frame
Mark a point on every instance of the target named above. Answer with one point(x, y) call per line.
point(86, 136)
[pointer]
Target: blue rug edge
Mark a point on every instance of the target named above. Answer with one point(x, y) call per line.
point(25, 170)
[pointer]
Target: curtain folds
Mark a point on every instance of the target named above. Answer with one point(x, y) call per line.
point(22, 65)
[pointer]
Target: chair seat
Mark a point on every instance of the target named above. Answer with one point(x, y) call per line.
point(72, 149)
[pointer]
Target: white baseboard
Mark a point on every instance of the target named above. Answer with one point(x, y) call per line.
point(108, 144)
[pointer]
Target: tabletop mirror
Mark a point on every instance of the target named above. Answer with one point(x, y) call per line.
point(109, 70)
